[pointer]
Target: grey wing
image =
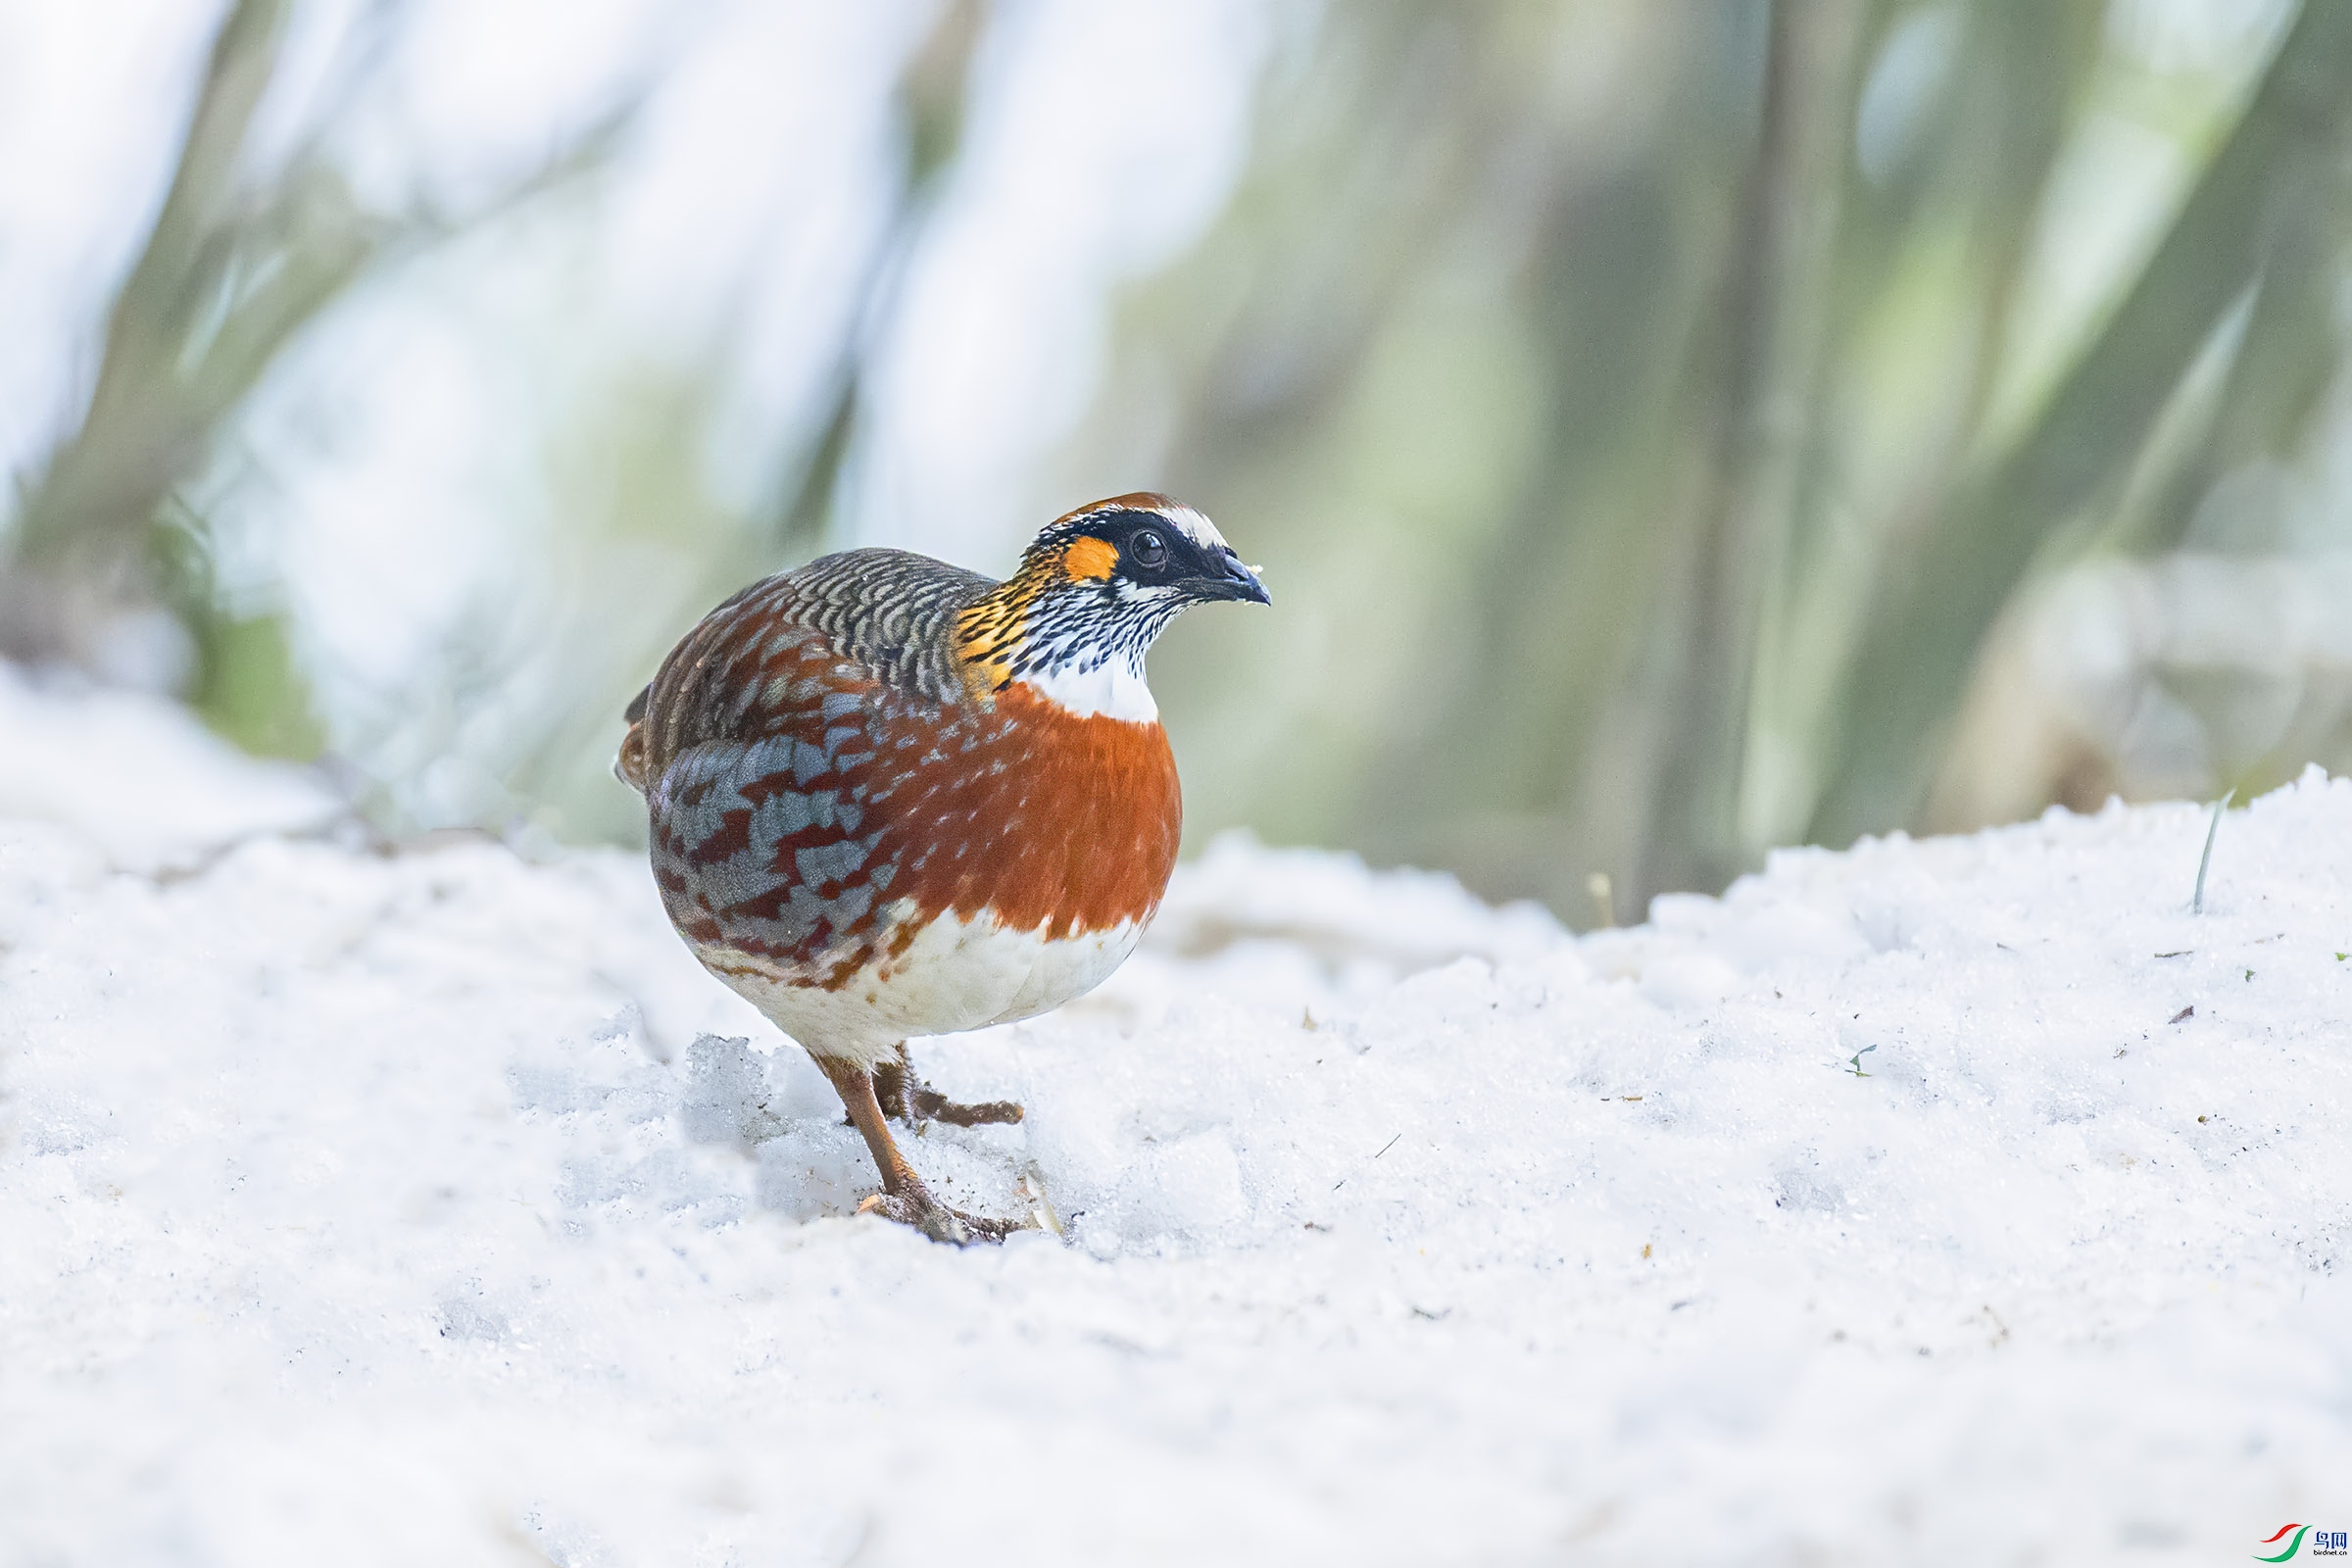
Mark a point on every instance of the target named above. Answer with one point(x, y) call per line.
point(756, 741)
point(886, 616)
point(889, 610)
point(763, 833)
point(757, 853)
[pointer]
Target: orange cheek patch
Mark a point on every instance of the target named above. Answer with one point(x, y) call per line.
point(1090, 559)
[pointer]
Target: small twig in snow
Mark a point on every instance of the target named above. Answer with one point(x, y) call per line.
point(1384, 1148)
point(2002, 1327)
point(2197, 905)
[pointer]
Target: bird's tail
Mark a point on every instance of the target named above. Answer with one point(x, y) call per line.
point(628, 765)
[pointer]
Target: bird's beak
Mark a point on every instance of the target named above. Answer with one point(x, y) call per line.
point(1233, 582)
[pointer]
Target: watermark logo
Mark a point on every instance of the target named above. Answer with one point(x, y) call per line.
point(2323, 1543)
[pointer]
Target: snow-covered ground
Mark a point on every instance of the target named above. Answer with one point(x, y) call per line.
point(431, 1207)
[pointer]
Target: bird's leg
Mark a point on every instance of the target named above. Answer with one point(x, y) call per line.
point(890, 1076)
point(904, 1197)
point(906, 1097)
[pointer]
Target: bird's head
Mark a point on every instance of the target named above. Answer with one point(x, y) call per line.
point(1095, 589)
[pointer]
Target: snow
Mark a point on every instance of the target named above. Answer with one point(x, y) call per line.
point(433, 1206)
point(139, 778)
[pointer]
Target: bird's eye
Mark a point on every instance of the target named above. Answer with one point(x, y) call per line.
point(1148, 549)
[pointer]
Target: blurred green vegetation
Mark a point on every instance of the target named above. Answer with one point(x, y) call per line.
point(242, 255)
point(1649, 412)
point(227, 276)
point(1670, 430)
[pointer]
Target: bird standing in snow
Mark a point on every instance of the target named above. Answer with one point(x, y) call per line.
point(889, 796)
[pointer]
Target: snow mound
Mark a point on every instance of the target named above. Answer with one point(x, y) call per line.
point(139, 777)
point(1950, 1201)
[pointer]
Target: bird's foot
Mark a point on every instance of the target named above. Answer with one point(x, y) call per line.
point(904, 1197)
point(936, 1220)
point(906, 1098)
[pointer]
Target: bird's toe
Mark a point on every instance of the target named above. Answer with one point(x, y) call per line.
point(936, 1220)
point(927, 1103)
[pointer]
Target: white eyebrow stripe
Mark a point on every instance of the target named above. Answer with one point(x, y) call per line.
point(1199, 528)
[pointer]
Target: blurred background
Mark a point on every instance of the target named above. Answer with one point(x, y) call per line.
point(1669, 430)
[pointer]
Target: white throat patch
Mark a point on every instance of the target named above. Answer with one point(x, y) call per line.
point(1084, 641)
point(1112, 689)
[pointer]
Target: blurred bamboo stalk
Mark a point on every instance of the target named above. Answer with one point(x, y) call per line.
point(1760, 373)
point(932, 94)
point(1938, 601)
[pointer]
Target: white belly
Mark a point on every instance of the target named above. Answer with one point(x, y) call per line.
point(955, 975)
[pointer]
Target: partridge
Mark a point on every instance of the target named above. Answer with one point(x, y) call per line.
point(891, 798)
